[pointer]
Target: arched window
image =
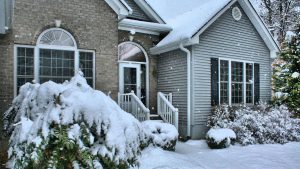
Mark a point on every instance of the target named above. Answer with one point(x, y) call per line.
point(57, 51)
point(133, 70)
point(55, 57)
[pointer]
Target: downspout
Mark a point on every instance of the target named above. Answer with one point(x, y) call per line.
point(188, 54)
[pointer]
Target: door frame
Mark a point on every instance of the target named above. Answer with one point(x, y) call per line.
point(122, 66)
point(141, 63)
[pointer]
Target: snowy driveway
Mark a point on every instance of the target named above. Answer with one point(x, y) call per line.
point(196, 155)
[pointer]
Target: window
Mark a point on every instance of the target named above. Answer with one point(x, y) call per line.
point(236, 82)
point(25, 68)
point(55, 58)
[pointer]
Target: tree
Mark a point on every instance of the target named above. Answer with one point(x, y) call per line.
point(280, 16)
point(286, 78)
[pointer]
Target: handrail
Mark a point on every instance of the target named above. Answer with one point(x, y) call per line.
point(130, 103)
point(163, 97)
point(166, 110)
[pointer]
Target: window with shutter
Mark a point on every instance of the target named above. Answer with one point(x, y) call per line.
point(234, 82)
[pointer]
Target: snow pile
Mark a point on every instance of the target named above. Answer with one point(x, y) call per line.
point(257, 125)
point(220, 138)
point(160, 134)
point(48, 119)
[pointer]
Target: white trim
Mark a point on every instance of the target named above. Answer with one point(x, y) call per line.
point(52, 47)
point(120, 7)
point(147, 68)
point(151, 13)
point(230, 80)
point(55, 46)
point(143, 27)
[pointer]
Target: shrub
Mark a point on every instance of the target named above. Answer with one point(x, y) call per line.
point(260, 124)
point(160, 134)
point(220, 138)
point(70, 125)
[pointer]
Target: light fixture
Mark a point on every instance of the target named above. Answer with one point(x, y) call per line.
point(131, 35)
point(57, 23)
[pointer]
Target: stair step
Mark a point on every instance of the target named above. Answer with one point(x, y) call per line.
point(158, 121)
point(155, 117)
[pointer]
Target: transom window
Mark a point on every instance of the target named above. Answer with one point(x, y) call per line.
point(55, 58)
point(236, 82)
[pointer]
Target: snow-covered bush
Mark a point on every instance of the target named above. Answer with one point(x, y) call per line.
point(70, 125)
point(220, 138)
point(160, 134)
point(257, 125)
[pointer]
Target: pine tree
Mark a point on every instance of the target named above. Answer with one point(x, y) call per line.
point(286, 79)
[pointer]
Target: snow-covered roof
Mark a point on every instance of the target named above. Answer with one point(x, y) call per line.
point(189, 18)
point(185, 17)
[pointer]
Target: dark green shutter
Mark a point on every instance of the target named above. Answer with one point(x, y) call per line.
point(256, 83)
point(214, 81)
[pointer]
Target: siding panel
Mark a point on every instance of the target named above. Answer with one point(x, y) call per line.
point(226, 38)
point(137, 12)
point(172, 78)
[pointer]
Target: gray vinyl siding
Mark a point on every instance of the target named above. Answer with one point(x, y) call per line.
point(137, 12)
point(172, 78)
point(225, 38)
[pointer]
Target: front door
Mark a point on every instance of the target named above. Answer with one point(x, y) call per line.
point(130, 78)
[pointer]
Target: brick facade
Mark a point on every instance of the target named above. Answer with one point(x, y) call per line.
point(94, 26)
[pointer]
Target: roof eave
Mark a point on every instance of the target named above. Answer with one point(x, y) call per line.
point(143, 27)
point(149, 11)
point(120, 7)
point(171, 46)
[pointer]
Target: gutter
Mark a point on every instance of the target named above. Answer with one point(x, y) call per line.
point(188, 54)
point(144, 27)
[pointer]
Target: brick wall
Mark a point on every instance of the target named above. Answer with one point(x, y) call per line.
point(93, 24)
point(147, 42)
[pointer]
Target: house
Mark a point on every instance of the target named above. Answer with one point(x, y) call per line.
point(177, 58)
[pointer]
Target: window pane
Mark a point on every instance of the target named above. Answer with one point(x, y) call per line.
point(249, 73)
point(237, 72)
point(237, 93)
point(130, 52)
point(224, 69)
point(249, 83)
point(25, 64)
point(56, 65)
point(236, 82)
point(224, 93)
point(249, 93)
point(86, 65)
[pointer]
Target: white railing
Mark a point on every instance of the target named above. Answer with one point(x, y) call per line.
point(166, 110)
point(130, 103)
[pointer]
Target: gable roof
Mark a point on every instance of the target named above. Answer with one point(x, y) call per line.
point(191, 18)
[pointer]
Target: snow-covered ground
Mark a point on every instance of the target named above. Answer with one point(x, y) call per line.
point(196, 155)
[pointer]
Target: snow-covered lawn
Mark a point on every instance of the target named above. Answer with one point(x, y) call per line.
point(196, 155)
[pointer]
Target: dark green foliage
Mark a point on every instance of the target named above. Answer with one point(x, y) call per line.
point(215, 145)
point(284, 67)
point(61, 152)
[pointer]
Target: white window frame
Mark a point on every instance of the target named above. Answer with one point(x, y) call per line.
point(53, 47)
point(132, 62)
point(230, 82)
